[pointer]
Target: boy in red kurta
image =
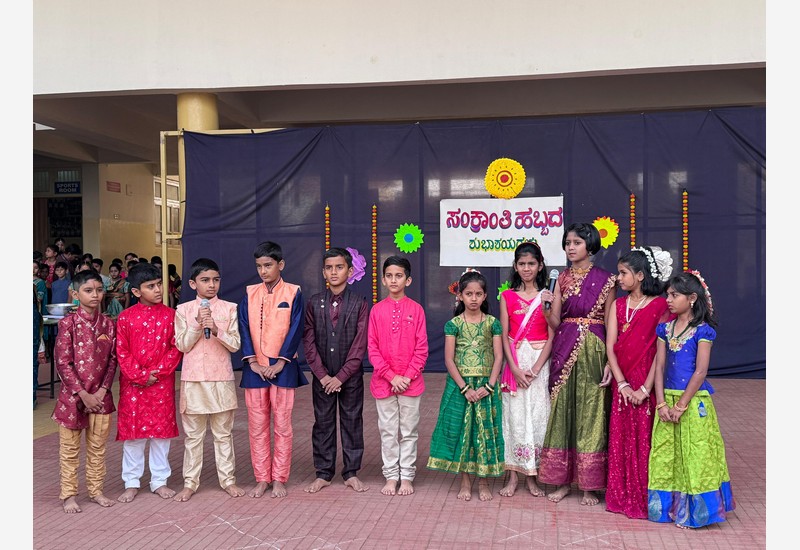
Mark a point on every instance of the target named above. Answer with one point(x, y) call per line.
point(148, 358)
point(86, 363)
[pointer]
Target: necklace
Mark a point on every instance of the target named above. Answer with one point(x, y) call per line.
point(630, 314)
point(473, 327)
point(675, 343)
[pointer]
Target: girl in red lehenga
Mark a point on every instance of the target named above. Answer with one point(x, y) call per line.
point(631, 349)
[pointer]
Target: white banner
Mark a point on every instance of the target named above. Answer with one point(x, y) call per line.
point(485, 232)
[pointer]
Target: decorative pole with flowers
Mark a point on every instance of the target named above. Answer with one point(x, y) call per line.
point(632, 200)
point(685, 213)
point(374, 254)
point(327, 227)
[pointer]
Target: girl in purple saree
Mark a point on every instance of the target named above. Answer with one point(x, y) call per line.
point(576, 442)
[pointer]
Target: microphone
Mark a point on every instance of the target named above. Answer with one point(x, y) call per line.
point(206, 331)
point(551, 285)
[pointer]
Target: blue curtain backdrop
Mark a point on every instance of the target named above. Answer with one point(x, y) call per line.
point(244, 189)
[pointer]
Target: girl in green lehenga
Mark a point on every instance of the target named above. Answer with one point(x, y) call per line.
point(468, 437)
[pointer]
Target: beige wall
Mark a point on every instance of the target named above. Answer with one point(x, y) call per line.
point(126, 219)
point(148, 45)
point(117, 223)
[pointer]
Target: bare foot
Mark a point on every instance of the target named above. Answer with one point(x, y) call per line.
point(356, 484)
point(164, 492)
point(484, 493)
point(234, 490)
point(317, 485)
point(259, 490)
point(128, 495)
point(184, 495)
point(390, 487)
point(533, 487)
point(102, 500)
point(71, 506)
point(510, 487)
point(278, 489)
point(465, 492)
point(589, 499)
point(559, 493)
point(406, 487)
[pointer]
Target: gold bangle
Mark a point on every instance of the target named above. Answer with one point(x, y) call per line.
point(681, 409)
point(662, 404)
point(488, 388)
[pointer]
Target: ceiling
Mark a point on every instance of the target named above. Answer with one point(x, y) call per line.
point(125, 127)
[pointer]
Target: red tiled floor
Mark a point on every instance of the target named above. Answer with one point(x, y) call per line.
point(432, 518)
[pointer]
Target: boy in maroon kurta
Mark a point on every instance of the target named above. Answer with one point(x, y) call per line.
point(148, 358)
point(86, 363)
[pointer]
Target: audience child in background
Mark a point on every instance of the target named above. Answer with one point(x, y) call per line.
point(86, 363)
point(40, 286)
point(689, 482)
point(631, 348)
point(148, 358)
point(468, 437)
point(398, 349)
point(207, 332)
point(97, 264)
point(37, 341)
point(174, 285)
point(527, 344)
point(270, 372)
point(118, 292)
point(59, 290)
point(335, 342)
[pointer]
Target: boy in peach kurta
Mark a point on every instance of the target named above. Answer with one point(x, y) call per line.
point(207, 332)
point(271, 327)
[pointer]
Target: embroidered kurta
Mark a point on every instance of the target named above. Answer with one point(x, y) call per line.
point(86, 359)
point(397, 340)
point(146, 343)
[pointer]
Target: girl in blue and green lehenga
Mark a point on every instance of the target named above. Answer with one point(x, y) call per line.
point(468, 437)
point(688, 482)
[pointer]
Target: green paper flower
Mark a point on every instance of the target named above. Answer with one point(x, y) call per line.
point(502, 288)
point(408, 238)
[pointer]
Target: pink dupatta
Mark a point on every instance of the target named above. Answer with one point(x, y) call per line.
point(508, 384)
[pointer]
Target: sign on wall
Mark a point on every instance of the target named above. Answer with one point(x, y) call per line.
point(67, 187)
point(485, 232)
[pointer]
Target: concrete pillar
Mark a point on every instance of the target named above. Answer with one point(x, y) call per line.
point(197, 112)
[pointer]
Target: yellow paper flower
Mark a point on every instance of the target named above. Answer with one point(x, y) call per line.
point(609, 230)
point(505, 178)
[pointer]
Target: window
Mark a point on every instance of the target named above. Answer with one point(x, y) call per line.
point(173, 209)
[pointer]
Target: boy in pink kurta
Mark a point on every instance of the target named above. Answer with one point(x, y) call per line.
point(86, 363)
point(207, 332)
point(148, 358)
point(398, 349)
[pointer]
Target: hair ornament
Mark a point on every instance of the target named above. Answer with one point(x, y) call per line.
point(696, 273)
point(660, 262)
point(469, 270)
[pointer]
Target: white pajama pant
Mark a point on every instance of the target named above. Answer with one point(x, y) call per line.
point(133, 462)
point(398, 415)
